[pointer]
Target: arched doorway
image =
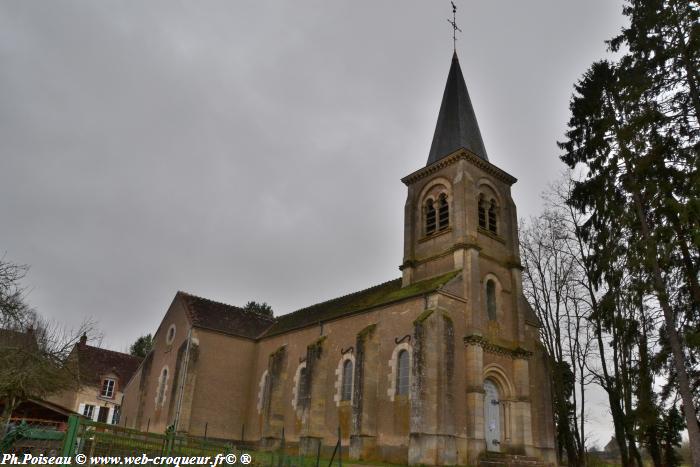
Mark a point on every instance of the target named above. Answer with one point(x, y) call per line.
point(492, 416)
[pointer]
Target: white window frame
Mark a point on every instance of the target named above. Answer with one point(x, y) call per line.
point(261, 391)
point(338, 397)
point(88, 413)
point(162, 392)
point(393, 369)
point(110, 391)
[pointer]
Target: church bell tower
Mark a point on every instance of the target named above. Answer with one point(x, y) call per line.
point(459, 215)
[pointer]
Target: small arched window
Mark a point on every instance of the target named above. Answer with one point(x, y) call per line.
point(346, 392)
point(443, 212)
point(430, 217)
point(265, 390)
point(160, 397)
point(302, 388)
point(402, 363)
point(491, 299)
point(482, 212)
point(492, 217)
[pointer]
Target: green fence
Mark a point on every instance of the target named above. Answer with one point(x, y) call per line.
point(92, 439)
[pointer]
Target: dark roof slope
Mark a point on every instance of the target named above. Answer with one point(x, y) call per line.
point(229, 319)
point(456, 126)
point(94, 362)
point(530, 315)
point(381, 294)
point(12, 339)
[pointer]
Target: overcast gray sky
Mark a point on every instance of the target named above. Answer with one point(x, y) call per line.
point(246, 150)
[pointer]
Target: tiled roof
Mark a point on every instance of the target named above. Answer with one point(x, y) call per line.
point(229, 319)
point(16, 339)
point(95, 362)
point(381, 294)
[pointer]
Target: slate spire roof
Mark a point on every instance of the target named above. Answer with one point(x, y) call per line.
point(456, 124)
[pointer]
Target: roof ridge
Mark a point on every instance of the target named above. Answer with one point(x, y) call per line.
point(240, 308)
point(83, 346)
point(342, 296)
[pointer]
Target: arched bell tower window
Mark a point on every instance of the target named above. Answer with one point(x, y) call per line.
point(443, 212)
point(493, 226)
point(482, 212)
point(491, 299)
point(430, 217)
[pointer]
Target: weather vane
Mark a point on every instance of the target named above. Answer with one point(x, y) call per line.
point(455, 28)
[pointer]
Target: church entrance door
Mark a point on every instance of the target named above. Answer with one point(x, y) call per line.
point(492, 417)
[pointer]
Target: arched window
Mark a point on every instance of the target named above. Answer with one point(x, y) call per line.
point(264, 392)
point(482, 212)
point(402, 363)
point(302, 388)
point(491, 299)
point(346, 392)
point(430, 217)
point(160, 397)
point(443, 212)
point(492, 217)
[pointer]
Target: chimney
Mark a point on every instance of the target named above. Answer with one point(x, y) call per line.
point(83, 339)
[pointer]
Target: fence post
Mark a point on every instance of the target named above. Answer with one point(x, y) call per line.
point(70, 437)
point(282, 455)
point(340, 449)
point(169, 441)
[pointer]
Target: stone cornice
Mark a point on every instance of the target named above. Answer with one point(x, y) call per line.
point(412, 263)
point(489, 347)
point(453, 158)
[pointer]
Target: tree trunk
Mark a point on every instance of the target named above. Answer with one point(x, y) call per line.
point(674, 339)
point(10, 406)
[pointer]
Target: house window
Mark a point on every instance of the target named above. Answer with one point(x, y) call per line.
point(443, 212)
point(430, 217)
point(402, 362)
point(108, 385)
point(491, 299)
point(346, 394)
point(492, 217)
point(171, 335)
point(482, 212)
point(103, 414)
point(89, 411)
point(116, 414)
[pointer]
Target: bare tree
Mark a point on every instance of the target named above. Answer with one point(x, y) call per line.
point(33, 351)
point(551, 282)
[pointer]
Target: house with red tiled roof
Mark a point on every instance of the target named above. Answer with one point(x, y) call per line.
point(102, 374)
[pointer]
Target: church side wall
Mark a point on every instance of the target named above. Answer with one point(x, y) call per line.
point(224, 365)
point(385, 428)
point(130, 401)
point(154, 391)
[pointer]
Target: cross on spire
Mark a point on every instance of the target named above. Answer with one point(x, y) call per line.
point(455, 28)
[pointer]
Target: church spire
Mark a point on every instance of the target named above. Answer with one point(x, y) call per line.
point(456, 124)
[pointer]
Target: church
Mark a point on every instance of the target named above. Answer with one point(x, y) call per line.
point(441, 366)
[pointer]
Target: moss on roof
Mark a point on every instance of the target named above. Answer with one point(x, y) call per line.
point(381, 294)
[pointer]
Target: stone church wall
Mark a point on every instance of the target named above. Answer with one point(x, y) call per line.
point(376, 423)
